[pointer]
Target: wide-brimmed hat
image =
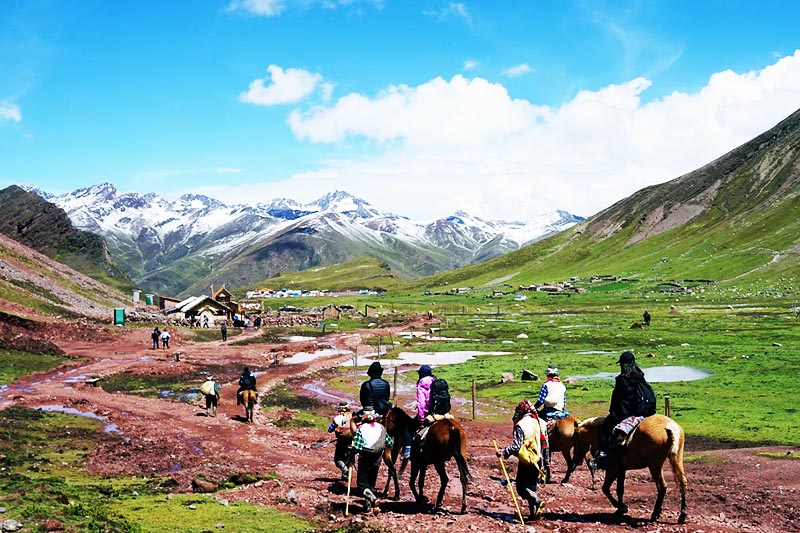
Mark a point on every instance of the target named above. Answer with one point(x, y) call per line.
point(344, 406)
point(551, 371)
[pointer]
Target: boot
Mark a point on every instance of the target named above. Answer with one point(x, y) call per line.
point(536, 505)
point(369, 500)
point(546, 457)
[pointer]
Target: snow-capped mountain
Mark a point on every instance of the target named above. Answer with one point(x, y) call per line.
point(172, 247)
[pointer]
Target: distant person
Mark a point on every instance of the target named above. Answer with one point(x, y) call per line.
point(224, 330)
point(156, 336)
point(205, 321)
point(646, 317)
point(376, 391)
point(628, 399)
point(257, 322)
point(340, 427)
point(165, 336)
point(247, 381)
point(210, 390)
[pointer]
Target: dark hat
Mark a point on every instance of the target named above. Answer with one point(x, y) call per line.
point(425, 370)
point(375, 370)
point(626, 357)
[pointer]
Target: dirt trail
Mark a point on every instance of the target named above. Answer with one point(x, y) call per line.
point(730, 491)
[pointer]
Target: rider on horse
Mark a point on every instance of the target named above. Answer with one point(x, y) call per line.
point(247, 381)
point(553, 401)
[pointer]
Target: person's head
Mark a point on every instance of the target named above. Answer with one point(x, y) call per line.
point(375, 370)
point(523, 408)
point(246, 371)
point(368, 414)
point(210, 378)
point(343, 407)
point(552, 372)
point(627, 363)
point(425, 370)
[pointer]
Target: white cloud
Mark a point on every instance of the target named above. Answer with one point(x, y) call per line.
point(517, 70)
point(288, 86)
point(261, 8)
point(466, 144)
point(10, 112)
point(470, 64)
point(451, 10)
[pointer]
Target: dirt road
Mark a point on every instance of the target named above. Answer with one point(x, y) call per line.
point(729, 491)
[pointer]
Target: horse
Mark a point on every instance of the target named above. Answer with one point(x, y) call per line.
point(249, 398)
point(658, 438)
point(445, 440)
point(395, 421)
point(560, 434)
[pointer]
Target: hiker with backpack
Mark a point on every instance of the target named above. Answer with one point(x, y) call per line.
point(433, 397)
point(526, 445)
point(369, 441)
point(632, 396)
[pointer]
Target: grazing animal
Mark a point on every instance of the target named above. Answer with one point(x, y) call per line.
point(249, 398)
point(446, 439)
point(560, 434)
point(657, 439)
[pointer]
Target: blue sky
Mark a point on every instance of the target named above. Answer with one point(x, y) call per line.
point(503, 109)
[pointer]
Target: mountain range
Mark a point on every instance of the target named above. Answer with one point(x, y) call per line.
point(183, 246)
point(733, 223)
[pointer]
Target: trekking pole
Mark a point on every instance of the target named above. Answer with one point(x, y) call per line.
point(349, 480)
point(508, 482)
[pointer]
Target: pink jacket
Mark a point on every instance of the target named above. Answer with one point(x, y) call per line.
point(424, 397)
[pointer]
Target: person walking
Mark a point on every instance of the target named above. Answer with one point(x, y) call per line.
point(369, 442)
point(165, 336)
point(646, 318)
point(224, 330)
point(340, 427)
point(155, 335)
point(628, 399)
point(526, 429)
point(210, 390)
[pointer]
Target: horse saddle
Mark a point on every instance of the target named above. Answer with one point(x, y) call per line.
point(433, 417)
point(623, 431)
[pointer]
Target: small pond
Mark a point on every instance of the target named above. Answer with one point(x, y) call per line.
point(659, 374)
point(108, 428)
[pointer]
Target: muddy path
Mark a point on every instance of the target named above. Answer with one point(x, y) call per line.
point(730, 490)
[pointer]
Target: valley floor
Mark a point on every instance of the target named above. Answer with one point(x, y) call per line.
point(730, 490)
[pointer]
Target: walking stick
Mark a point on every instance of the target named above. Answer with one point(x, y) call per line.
point(349, 479)
point(508, 482)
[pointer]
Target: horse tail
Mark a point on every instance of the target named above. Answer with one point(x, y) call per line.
point(675, 438)
point(459, 452)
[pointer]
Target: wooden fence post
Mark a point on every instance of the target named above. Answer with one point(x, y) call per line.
point(394, 394)
point(474, 395)
point(666, 405)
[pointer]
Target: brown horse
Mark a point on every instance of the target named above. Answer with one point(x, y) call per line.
point(249, 398)
point(657, 439)
point(560, 434)
point(445, 440)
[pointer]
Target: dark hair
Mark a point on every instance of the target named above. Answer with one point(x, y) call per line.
point(375, 370)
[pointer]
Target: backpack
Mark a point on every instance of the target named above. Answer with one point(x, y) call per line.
point(247, 381)
point(529, 453)
point(440, 397)
point(645, 399)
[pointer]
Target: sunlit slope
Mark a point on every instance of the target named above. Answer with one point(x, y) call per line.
point(733, 221)
point(361, 273)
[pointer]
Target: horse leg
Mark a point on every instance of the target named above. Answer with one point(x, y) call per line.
point(422, 471)
point(443, 479)
point(463, 475)
point(661, 485)
point(621, 508)
point(613, 473)
point(676, 462)
point(570, 465)
point(387, 460)
point(413, 482)
point(592, 468)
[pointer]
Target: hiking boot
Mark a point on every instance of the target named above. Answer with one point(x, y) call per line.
point(406, 453)
point(369, 500)
point(537, 507)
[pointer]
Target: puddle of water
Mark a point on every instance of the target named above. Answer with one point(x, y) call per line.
point(298, 338)
point(304, 357)
point(578, 326)
point(419, 358)
point(594, 352)
point(108, 428)
point(659, 374)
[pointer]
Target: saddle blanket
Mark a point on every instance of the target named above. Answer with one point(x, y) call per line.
point(629, 424)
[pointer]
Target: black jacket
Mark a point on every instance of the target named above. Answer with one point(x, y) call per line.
point(376, 393)
point(624, 402)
